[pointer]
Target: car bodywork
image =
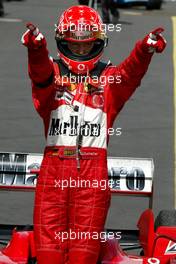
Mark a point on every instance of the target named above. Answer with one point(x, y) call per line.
point(127, 176)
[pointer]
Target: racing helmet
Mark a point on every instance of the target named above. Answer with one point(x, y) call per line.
point(80, 24)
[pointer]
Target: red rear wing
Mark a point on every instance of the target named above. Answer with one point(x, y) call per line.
point(127, 176)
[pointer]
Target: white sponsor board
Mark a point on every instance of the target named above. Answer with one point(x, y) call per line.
point(131, 175)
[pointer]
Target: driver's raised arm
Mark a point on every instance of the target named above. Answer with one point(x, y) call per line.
point(40, 67)
point(133, 68)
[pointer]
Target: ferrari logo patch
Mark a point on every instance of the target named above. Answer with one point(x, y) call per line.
point(171, 248)
point(72, 87)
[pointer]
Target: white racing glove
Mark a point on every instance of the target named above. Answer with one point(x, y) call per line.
point(33, 38)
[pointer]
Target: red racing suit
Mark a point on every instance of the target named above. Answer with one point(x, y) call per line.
point(69, 219)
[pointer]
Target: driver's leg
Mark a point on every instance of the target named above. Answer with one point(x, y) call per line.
point(88, 207)
point(50, 213)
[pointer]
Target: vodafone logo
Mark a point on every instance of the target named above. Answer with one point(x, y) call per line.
point(171, 248)
point(81, 67)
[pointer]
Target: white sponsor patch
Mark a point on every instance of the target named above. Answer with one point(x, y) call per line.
point(64, 95)
point(68, 97)
point(65, 126)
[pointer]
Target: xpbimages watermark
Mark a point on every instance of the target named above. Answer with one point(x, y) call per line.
point(86, 27)
point(84, 183)
point(80, 235)
point(95, 80)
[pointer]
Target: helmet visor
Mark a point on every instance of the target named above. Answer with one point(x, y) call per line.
point(95, 50)
point(81, 48)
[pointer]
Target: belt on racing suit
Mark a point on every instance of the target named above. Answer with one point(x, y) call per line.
point(71, 152)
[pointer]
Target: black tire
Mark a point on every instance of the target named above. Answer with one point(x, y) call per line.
point(32, 261)
point(154, 4)
point(165, 218)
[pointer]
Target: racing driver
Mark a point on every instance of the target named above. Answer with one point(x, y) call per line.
point(77, 109)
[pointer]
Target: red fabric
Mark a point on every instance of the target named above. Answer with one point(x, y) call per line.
point(79, 209)
point(39, 62)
